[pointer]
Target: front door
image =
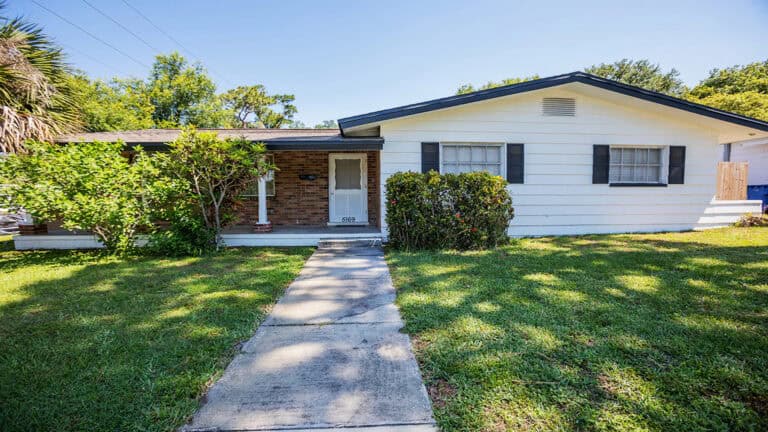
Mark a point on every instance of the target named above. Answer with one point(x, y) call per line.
point(348, 192)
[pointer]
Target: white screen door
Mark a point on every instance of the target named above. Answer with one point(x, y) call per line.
point(348, 192)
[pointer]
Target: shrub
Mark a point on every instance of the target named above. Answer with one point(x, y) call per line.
point(217, 172)
point(450, 211)
point(87, 186)
point(750, 220)
point(186, 235)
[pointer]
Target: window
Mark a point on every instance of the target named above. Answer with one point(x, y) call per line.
point(348, 174)
point(466, 157)
point(636, 165)
point(253, 189)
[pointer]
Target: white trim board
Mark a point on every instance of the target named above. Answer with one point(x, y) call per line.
point(87, 241)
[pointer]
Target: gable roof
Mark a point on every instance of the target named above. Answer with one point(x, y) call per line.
point(527, 86)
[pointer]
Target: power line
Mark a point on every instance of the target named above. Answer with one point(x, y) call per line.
point(184, 48)
point(118, 50)
point(159, 29)
point(122, 26)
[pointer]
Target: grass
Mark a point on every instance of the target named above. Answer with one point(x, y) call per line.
point(91, 342)
point(618, 332)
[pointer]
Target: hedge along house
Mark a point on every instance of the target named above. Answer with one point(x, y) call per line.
point(582, 154)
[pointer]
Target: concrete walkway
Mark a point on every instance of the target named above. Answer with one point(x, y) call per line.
point(330, 355)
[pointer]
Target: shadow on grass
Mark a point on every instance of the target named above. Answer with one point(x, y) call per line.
point(90, 342)
point(660, 332)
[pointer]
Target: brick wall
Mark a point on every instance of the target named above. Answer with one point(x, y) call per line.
point(305, 202)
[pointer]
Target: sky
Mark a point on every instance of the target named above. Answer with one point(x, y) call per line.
point(342, 58)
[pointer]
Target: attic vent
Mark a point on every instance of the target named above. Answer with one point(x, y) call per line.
point(559, 107)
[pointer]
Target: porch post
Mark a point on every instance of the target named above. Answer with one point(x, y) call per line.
point(263, 225)
point(263, 200)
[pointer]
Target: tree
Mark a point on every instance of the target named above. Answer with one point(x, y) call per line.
point(641, 73)
point(295, 124)
point(740, 89)
point(327, 124)
point(87, 186)
point(182, 94)
point(111, 106)
point(253, 106)
point(469, 88)
point(35, 100)
point(217, 171)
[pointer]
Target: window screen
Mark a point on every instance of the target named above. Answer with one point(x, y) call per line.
point(461, 158)
point(635, 165)
point(348, 174)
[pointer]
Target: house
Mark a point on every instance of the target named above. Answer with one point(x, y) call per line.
point(754, 152)
point(582, 154)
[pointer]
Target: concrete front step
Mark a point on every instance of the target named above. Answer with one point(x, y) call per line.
point(349, 243)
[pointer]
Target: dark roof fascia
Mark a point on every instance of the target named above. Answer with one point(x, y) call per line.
point(671, 101)
point(336, 144)
point(527, 86)
point(345, 144)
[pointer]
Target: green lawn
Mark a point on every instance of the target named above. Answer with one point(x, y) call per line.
point(662, 332)
point(89, 342)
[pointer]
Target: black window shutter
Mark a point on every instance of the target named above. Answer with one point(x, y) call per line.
point(430, 156)
point(601, 161)
point(676, 165)
point(515, 163)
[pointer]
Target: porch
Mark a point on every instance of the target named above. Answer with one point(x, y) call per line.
point(315, 188)
point(326, 187)
point(233, 237)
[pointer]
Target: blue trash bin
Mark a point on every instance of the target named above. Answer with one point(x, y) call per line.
point(758, 192)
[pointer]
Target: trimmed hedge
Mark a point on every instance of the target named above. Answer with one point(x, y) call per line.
point(449, 211)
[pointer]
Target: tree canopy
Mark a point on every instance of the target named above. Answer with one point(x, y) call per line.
point(740, 89)
point(254, 107)
point(469, 88)
point(641, 73)
point(327, 124)
point(35, 99)
point(181, 93)
point(111, 106)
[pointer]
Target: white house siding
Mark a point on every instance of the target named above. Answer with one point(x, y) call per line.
point(757, 156)
point(558, 196)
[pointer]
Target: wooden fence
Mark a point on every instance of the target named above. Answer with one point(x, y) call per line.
point(732, 180)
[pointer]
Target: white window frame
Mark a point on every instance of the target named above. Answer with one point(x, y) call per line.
point(500, 145)
point(271, 187)
point(663, 167)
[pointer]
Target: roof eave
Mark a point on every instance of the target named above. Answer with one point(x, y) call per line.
point(344, 144)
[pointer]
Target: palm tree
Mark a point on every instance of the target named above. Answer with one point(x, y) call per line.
point(35, 100)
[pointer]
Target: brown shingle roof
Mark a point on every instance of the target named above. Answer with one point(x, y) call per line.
point(160, 136)
point(275, 139)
